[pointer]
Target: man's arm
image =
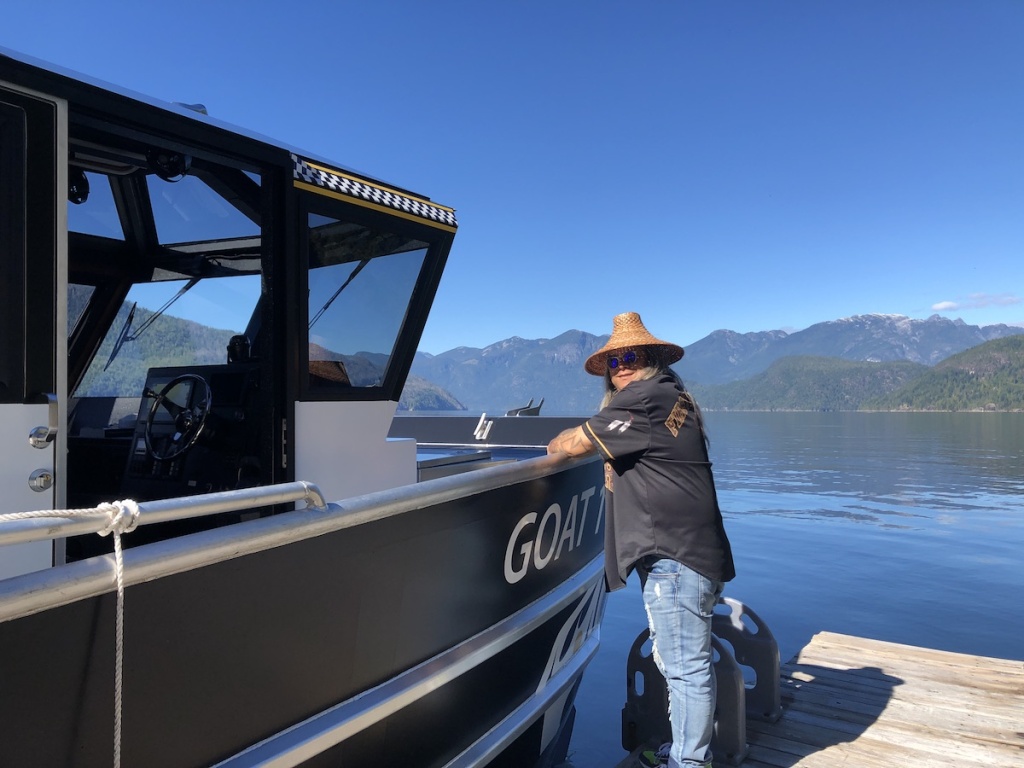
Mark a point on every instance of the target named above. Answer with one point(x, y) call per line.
point(572, 442)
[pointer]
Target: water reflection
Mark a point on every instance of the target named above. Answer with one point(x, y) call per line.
point(868, 467)
point(898, 527)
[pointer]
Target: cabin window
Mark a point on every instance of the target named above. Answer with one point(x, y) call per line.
point(189, 211)
point(96, 213)
point(361, 281)
point(78, 300)
point(194, 328)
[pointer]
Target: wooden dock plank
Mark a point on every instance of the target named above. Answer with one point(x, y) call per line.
point(873, 702)
point(989, 721)
point(852, 701)
point(999, 679)
point(883, 648)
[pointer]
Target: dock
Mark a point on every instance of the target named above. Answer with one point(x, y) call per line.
point(850, 701)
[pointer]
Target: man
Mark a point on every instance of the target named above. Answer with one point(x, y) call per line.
point(662, 518)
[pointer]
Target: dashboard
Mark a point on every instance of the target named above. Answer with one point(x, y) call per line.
point(196, 432)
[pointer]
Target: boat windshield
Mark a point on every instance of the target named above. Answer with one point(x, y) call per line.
point(360, 283)
point(193, 330)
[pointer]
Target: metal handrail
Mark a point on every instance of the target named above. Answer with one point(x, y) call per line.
point(85, 521)
point(49, 588)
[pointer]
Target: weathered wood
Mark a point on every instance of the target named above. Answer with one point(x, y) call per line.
point(872, 704)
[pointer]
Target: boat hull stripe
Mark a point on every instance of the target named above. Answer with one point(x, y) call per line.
point(312, 737)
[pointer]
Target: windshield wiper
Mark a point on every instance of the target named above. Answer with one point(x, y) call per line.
point(337, 293)
point(125, 336)
point(122, 337)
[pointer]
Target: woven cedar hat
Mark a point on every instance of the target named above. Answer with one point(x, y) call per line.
point(628, 332)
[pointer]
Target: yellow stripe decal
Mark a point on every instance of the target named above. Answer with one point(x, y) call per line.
point(325, 169)
point(373, 206)
point(316, 178)
point(596, 439)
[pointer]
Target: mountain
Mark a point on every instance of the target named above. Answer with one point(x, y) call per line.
point(987, 377)
point(165, 340)
point(422, 395)
point(729, 356)
point(866, 361)
point(725, 356)
point(162, 344)
point(507, 374)
point(808, 383)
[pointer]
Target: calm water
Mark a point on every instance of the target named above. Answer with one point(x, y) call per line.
point(900, 527)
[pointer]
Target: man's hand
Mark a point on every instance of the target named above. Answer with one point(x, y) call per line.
point(572, 442)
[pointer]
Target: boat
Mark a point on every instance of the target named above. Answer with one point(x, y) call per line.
point(211, 550)
point(527, 410)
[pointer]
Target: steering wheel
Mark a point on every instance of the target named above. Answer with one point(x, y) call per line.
point(188, 420)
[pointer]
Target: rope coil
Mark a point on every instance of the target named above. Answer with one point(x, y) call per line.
point(122, 517)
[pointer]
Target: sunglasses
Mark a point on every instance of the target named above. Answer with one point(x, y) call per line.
point(629, 359)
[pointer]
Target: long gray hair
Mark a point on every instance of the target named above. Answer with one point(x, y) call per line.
point(656, 366)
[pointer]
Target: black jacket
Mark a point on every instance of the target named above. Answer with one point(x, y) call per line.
point(660, 493)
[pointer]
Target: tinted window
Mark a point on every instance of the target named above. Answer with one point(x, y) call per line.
point(360, 283)
point(189, 211)
point(193, 328)
point(96, 214)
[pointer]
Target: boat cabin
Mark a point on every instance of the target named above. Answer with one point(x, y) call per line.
point(188, 308)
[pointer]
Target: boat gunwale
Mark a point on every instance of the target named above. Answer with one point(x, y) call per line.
point(32, 593)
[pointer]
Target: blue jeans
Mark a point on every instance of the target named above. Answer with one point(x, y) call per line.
point(680, 603)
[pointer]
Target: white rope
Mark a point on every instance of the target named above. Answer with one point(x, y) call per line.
point(122, 516)
point(103, 509)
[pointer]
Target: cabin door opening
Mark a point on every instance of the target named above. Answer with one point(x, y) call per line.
point(33, 314)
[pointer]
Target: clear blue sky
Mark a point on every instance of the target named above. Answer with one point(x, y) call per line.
point(741, 164)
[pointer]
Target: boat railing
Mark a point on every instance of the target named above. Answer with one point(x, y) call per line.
point(40, 590)
point(19, 528)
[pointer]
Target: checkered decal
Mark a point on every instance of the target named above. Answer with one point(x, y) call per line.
point(345, 185)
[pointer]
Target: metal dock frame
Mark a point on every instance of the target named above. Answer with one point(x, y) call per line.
point(742, 641)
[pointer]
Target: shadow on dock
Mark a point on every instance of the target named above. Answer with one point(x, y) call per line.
point(823, 707)
point(861, 694)
point(854, 701)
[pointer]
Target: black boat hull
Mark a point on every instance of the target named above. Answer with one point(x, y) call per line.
point(394, 641)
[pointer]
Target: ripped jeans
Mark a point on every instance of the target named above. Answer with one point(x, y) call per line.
point(680, 603)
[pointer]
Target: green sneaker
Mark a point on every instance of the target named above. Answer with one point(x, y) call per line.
point(652, 758)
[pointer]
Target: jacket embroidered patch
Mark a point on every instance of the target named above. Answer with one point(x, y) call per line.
point(677, 418)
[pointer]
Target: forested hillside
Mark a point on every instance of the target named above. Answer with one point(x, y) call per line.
point(164, 343)
point(987, 377)
point(507, 374)
point(161, 344)
point(422, 395)
point(809, 383)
